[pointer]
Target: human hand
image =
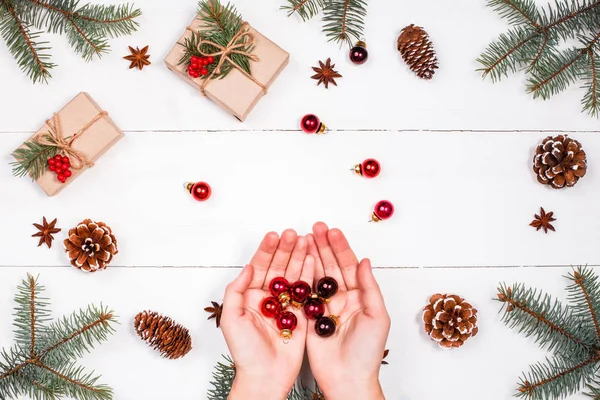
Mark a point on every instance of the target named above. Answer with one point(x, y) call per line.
point(346, 365)
point(266, 367)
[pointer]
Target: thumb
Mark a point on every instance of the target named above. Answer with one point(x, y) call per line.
point(233, 303)
point(372, 298)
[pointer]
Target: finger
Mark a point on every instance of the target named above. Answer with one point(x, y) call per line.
point(330, 264)
point(294, 267)
point(233, 302)
point(282, 256)
point(319, 272)
point(371, 296)
point(345, 257)
point(262, 259)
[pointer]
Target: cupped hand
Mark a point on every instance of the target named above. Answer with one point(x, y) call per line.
point(346, 365)
point(266, 367)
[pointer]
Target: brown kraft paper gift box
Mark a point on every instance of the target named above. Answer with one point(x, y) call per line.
point(235, 93)
point(99, 135)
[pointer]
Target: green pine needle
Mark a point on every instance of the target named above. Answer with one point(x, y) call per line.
point(306, 9)
point(222, 23)
point(535, 44)
point(86, 27)
point(344, 20)
point(571, 333)
point(32, 158)
point(42, 363)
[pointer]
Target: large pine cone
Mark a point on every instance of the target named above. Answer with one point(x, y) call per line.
point(91, 246)
point(559, 162)
point(417, 51)
point(163, 334)
point(449, 320)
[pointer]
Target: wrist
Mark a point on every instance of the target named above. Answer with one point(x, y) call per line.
point(255, 388)
point(364, 390)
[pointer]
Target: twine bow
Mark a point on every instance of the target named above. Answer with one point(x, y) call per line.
point(233, 47)
point(55, 138)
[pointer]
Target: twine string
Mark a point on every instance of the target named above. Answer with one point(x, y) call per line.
point(57, 139)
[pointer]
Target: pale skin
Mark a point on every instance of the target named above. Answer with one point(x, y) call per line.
point(345, 365)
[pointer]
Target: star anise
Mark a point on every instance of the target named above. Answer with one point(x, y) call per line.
point(385, 354)
point(543, 221)
point(45, 232)
point(216, 311)
point(326, 74)
point(139, 59)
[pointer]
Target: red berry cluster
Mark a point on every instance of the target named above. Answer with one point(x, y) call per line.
point(299, 295)
point(198, 65)
point(61, 166)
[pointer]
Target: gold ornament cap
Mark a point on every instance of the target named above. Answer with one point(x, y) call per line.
point(361, 43)
point(335, 319)
point(322, 129)
point(375, 218)
point(188, 186)
point(286, 334)
point(357, 169)
point(284, 298)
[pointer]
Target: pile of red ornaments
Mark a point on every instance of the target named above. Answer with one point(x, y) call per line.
point(198, 65)
point(300, 295)
point(61, 166)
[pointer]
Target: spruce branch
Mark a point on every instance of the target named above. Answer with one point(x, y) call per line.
point(306, 9)
point(32, 158)
point(534, 45)
point(344, 20)
point(86, 28)
point(44, 365)
point(571, 333)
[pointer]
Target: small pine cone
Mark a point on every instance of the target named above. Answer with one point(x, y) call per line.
point(449, 320)
point(163, 334)
point(559, 162)
point(417, 51)
point(91, 246)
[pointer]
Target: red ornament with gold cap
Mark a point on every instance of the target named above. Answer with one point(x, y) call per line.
point(286, 323)
point(383, 210)
point(200, 191)
point(312, 124)
point(359, 53)
point(370, 168)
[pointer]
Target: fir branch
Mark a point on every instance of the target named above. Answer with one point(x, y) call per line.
point(556, 378)
point(306, 9)
point(76, 383)
point(22, 43)
point(517, 12)
point(32, 158)
point(591, 76)
point(31, 314)
point(584, 294)
point(552, 325)
point(344, 20)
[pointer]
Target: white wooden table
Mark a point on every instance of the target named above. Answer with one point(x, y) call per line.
point(456, 156)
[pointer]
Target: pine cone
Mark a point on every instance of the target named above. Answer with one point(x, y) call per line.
point(559, 162)
point(417, 51)
point(163, 334)
point(91, 246)
point(449, 320)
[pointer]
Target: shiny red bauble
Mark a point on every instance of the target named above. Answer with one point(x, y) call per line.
point(314, 308)
point(200, 191)
point(312, 124)
point(286, 323)
point(300, 292)
point(327, 287)
point(359, 53)
point(383, 210)
point(326, 326)
point(369, 168)
point(278, 286)
point(270, 307)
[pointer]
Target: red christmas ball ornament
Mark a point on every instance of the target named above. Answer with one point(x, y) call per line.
point(280, 288)
point(327, 287)
point(326, 326)
point(270, 307)
point(312, 124)
point(383, 210)
point(370, 168)
point(200, 191)
point(314, 308)
point(286, 323)
point(300, 292)
point(359, 53)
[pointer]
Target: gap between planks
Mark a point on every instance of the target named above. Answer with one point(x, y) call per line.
point(240, 266)
point(347, 130)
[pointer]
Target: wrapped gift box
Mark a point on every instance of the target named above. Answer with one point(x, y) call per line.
point(97, 134)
